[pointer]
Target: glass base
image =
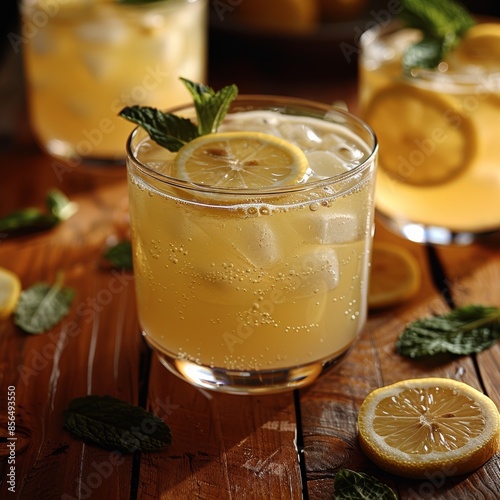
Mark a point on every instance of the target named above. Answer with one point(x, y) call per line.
point(243, 382)
point(436, 235)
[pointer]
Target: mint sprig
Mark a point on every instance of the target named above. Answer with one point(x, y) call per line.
point(350, 485)
point(113, 424)
point(442, 22)
point(171, 131)
point(43, 305)
point(467, 330)
point(120, 255)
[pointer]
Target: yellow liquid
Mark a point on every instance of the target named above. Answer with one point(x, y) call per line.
point(89, 59)
point(253, 286)
point(468, 202)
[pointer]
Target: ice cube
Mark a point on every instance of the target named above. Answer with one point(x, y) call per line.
point(329, 228)
point(312, 271)
point(325, 164)
point(109, 31)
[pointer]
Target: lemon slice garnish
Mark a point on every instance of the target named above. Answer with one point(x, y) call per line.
point(424, 138)
point(418, 427)
point(240, 160)
point(394, 275)
point(480, 46)
point(10, 289)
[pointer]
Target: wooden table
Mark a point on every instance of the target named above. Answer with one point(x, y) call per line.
point(286, 446)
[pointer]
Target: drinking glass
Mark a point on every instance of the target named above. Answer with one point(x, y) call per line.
point(438, 178)
point(87, 59)
point(256, 290)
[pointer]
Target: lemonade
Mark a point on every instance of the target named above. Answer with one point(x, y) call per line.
point(439, 178)
point(255, 289)
point(86, 59)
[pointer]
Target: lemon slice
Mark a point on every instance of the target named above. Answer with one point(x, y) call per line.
point(424, 138)
point(10, 289)
point(480, 46)
point(394, 275)
point(416, 428)
point(240, 160)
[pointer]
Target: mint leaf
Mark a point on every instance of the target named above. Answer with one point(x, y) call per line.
point(350, 485)
point(166, 129)
point(211, 107)
point(42, 306)
point(116, 425)
point(467, 330)
point(120, 255)
point(32, 219)
point(171, 131)
point(442, 22)
point(59, 205)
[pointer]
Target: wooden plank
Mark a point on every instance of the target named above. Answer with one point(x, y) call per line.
point(223, 446)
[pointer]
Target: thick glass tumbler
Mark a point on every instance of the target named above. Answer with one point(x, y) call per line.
point(438, 178)
point(254, 279)
point(87, 59)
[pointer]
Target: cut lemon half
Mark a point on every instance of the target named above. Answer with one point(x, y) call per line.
point(240, 160)
point(10, 289)
point(424, 138)
point(480, 46)
point(417, 428)
point(394, 275)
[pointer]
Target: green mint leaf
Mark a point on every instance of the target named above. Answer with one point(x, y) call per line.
point(116, 425)
point(26, 221)
point(211, 107)
point(442, 22)
point(42, 306)
point(120, 255)
point(166, 129)
point(467, 330)
point(350, 485)
point(427, 53)
point(59, 205)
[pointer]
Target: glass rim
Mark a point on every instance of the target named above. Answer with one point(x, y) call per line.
point(268, 190)
point(424, 74)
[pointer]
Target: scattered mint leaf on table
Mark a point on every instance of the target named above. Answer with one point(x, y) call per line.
point(467, 330)
point(351, 485)
point(442, 22)
point(171, 131)
point(42, 306)
point(32, 219)
point(120, 255)
point(116, 425)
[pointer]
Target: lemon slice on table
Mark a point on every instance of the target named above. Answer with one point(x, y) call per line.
point(394, 275)
point(480, 45)
point(240, 160)
point(10, 289)
point(419, 427)
point(424, 138)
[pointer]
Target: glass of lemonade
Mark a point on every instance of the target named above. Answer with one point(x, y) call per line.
point(87, 59)
point(254, 278)
point(438, 177)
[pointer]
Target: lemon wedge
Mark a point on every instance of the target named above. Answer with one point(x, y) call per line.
point(10, 289)
point(424, 138)
point(480, 46)
point(394, 275)
point(420, 427)
point(240, 160)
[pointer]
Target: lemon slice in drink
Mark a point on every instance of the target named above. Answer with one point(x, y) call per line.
point(240, 160)
point(480, 46)
point(420, 427)
point(10, 289)
point(424, 138)
point(394, 276)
